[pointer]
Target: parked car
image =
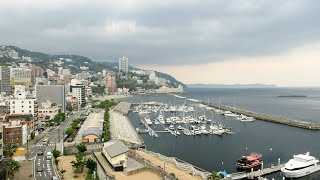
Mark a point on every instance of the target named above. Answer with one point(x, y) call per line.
point(40, 152)
point(54, 178)
point(45, 141)
point(39, 168)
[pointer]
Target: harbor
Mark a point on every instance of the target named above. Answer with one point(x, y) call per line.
point(251, 135)
point(265, 117)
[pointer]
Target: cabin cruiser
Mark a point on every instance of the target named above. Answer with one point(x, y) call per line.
point(216, 129)
point(195, 130)
point(204, 130)
point(180, 127)
point(142, 111)
point(175, 119)
point(161, 119)
point(171, 127)
point(168, 120)
point(244, 118)
point(300, 165)
point(148, 120)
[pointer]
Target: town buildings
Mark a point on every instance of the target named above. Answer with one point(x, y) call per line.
point(54, 93)
point(5, 84)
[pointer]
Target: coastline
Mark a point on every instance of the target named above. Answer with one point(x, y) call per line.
point(113, 96)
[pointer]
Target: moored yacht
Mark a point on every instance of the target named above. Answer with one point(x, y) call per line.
point(148, 120)
point(300, 165)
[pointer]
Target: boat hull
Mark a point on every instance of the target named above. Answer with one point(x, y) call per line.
point(301, 172)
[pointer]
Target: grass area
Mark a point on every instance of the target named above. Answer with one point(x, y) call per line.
point(106, 123)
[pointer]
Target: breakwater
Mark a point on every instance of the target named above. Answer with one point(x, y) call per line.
point(266, 117)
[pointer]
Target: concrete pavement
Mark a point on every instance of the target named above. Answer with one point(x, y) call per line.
point(55, 139)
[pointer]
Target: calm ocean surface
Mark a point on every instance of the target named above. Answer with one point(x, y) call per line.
point(273, 141)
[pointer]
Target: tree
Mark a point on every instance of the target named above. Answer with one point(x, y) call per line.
point(9, 149)
point(78, 164)
point(56, 153)
point(12, 166)
point(32, 135)
point(91, 165)
point(214, 176)
point(62, 171)
point(82, 148)
point(70, 131)
point(69, 108)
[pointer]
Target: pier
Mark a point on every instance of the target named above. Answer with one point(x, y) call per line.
point(123, 108)
point(266, 171)
point(122, 129)
point(264, 117)
point(149, 129)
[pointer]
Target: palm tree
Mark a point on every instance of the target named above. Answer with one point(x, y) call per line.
point(9, 149)
point(214, 176)
point(12, 166)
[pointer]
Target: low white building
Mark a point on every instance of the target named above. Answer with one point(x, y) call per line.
point(165, 90)
point(21, 104)
point(116, 154)
point(47, 110)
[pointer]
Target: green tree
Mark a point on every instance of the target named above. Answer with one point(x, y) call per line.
point(82, 148)
point(214, 176)
point(70, 131)
point(9, 149)
point(32, 135)
point(79, 163)
point(56, 153)
point(62, 171)
point(12, 166)
point(91, 165)
point(69, 108)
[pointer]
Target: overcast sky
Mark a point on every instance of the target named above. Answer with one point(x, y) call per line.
point(207, 41)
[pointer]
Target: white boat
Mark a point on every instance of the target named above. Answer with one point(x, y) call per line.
point(248, 119)
point(204, 130)
point(171, 127)
point(156, 122)
point(148, 120)
point(177, 132)
point(141, 111)
point(300, 165)
point(180, 127)
point(195, 130)
point(176, 119)
point(168, 120)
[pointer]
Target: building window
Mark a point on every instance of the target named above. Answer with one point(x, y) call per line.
point(0, 135)
point(21, 101)
point(29, 111)
point(29, 102)
point(29, 106)
point(13, 107)
point(13, 102)
point(22, 110)
point(13, 111)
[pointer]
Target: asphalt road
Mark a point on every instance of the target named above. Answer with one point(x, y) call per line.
point(44, 168)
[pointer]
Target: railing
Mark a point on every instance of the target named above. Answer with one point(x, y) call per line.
point(193, 170)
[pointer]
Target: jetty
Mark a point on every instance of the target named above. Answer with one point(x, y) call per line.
point(266, 171)
point(149, 129)
point(122, 108)
point(264, 117)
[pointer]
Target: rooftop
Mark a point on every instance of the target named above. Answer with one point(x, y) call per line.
point(115, 148)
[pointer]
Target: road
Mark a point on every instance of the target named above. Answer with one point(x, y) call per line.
point(54, 138)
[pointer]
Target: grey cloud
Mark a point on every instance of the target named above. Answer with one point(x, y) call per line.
point(161, 32)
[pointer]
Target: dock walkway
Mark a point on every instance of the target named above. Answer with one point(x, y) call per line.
point(123, 108)
point(265, 117)
point(266, 171)
point(121, 128)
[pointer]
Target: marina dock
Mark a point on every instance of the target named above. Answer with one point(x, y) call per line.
point(123, 108)
point(266, 171)
point(269, 118)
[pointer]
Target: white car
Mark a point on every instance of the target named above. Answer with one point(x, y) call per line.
point(49, 155)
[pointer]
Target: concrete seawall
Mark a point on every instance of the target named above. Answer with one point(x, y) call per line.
point(264, 117)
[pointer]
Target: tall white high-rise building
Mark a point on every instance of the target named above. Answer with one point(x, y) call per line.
point(123, 64)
